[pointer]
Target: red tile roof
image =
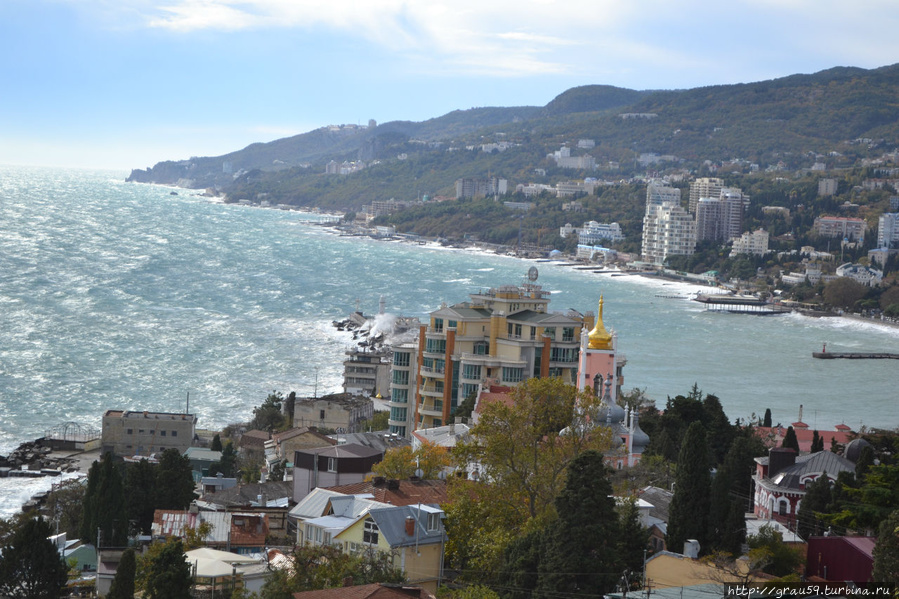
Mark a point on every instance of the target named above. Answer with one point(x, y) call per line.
point(407, 492)
point(367, 591)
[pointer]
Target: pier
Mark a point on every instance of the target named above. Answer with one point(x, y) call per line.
point(740, 304)
point(854, 356)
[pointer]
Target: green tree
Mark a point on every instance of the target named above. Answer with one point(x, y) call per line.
point(633, 537)
point(790, 441)
point(216, 443)
point(65, 503)
point(226, 465)
point(581, 554)
point(174, 481)
point(843, 292)
point(779, 558)
point(689, 508)
point(766, 422)
point(30, 565)
point(104, 510)
point(886, 551)
point(123, 584)
point(818, 496)
point(521, 564)
point(269, 416)
point(166, 573)
point(817, 442)
point(139, 478)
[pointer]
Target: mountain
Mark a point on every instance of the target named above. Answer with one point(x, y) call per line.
point(761, 122)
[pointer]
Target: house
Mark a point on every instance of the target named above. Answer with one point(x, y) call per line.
point(656, 520)
point(201, 459)
point(253, 441)
point(413, 535)
point(666, 569)
point(240, 532)
point(841, 559)
point(398, 492)
point(378, 590)
point(324, 515)
point(127, 433)
point(781, 479)
point(342, 412)
point(291, 440)
point(329, 466)
point(272, 498)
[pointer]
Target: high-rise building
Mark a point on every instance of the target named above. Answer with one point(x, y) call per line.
point(720, 218)
point(704, 187)
point(501, 336)
point(888, 230)
point(656, 195)
point(668, 230)
point(403, 379)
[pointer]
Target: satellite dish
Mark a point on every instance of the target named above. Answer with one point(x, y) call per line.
point(532, 274)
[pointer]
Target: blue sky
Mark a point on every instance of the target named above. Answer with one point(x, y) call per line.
point(127, 83)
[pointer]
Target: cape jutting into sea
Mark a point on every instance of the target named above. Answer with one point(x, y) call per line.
point(128, 296)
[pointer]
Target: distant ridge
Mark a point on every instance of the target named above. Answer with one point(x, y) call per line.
point(755, 121)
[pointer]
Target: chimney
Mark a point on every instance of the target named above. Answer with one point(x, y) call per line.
point(780, 458)
point(691, 548)
point(410, 526)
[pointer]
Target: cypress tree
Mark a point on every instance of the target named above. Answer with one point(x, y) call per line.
point(817, 442)
point(581, 556)
point(767, 420)
point(790, 440)
point(216, 443)
point(123, 584)
point(174, 481)
point(169, 574)
point(30, 564)
point(88, 531)
point(688, 512)
point(818, 496)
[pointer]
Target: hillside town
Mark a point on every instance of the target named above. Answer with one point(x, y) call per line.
point(496, 415)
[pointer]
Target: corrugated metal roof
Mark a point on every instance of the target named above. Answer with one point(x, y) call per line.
point(391, 523)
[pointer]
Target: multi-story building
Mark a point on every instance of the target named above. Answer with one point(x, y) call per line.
point(366, 371)
point(720, 218)
point(479, 188)
point(888, 230)
point(504, 335)
point(403, 378)
point(144, 433)
point(668, 230)
point(841, 227)
point(656, 195)
point(827, 187)
point(593, 232)
point(342, 412)
point(755, 243)
point(704, 187)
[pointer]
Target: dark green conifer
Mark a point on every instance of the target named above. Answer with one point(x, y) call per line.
point(688, 512)
point(123, 584)
point(30, 564)
point(790, 441)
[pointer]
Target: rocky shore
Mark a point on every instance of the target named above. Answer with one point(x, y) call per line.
point(32, 459)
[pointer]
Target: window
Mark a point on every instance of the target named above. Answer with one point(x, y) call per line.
point(370, 532)
point(162, 433)
point(400, 377)
point(435, 346)
point(401, 359)
point(433, 522)
point(174, 433)
point(130, 431)
point(481, 348)
point(398, 414)
point(471, 371)
point(550, 332)
point(321, 414)
point(513, 375)
point(452, 324)
point(438, 325)
point(326, 538)
point(514, 330)
point(332, 464)
point(399, 395)
point(782, 507)
point(568, 334)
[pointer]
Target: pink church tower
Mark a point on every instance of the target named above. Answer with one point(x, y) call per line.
point(599, 356)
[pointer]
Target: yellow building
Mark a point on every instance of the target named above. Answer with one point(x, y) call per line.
point(412, 535)
point(502, 336)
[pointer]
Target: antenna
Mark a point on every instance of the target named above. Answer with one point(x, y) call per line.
point(187, 405)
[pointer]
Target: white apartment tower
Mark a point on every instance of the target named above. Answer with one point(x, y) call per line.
point(668, 230)
point(888, 230)
point(704, 187)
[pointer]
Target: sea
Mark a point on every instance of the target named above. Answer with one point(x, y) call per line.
point(118, 295)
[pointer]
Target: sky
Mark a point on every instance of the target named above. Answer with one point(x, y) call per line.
point(124, 84)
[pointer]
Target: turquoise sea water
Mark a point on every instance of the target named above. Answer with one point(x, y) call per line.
point(118, 295)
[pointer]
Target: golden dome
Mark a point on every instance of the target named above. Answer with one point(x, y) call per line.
point(599, 337)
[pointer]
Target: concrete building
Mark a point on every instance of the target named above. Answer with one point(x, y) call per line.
point(720, 218)
point(330, 466)
point(504, 335)
point(342, 412)
point(755, 243)
point(865, 275)
point(126, 433)
point(888, 230)
point(668, 230)
point(403, 378)
point(704, 187)
point(827, 187)
point(480, 188)
point(657, 195)
point(593, 232)
point(841, 227)
point(366, 372)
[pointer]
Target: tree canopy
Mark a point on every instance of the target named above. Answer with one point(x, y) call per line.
point(30, 565)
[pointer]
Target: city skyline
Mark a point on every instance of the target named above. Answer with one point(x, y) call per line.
point(127, 84)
